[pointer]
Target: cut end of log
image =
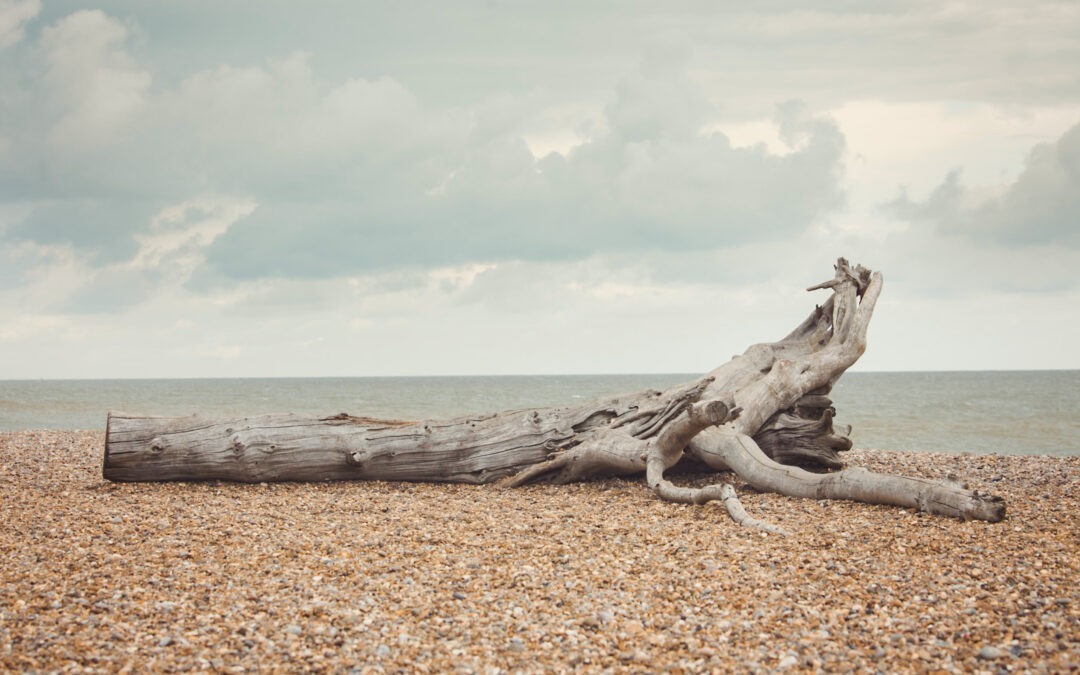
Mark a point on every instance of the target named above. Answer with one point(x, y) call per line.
point(105, 455)
point(990, 508)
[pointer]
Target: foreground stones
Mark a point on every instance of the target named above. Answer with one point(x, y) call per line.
point(593, 576)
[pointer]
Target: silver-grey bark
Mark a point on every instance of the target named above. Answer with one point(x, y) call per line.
point(764, 414)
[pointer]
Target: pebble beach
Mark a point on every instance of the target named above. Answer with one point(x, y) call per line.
point(595, 577)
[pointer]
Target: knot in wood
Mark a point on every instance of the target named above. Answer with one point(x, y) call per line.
point(356, 458)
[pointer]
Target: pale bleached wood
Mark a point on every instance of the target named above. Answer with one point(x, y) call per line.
point(774, 393)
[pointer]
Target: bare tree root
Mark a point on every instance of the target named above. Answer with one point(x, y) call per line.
point(668, 448)
point(738, 513)
point(765, 414)
point(742, 455)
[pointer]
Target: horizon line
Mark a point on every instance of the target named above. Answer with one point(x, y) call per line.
point(477, 375)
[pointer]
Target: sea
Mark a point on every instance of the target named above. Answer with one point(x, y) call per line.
point(1000, 412)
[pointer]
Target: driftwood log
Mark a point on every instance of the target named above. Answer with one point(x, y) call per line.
point(764, 415)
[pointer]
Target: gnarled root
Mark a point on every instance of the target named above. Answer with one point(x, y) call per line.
point(724, 492)
point(739, 452)
point(666, 450)
point(739, 515)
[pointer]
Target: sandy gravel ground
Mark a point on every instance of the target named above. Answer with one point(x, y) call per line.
point(378, 577)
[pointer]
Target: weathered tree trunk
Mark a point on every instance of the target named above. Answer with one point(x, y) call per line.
point(763, 415)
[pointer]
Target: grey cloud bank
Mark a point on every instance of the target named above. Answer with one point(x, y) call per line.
point(358, 175)
point(1042, 206)
point(366, 172)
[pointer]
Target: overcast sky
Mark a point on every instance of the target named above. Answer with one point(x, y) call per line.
point(201, 189)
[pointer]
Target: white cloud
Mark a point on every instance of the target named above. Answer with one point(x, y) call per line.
point(457, 277)
point(48, 274)
point(58, 278)
point(179, 233)
point(95, 83)
point(14, 14)
point(658, 100)
point(27, 327)
point(561, 127)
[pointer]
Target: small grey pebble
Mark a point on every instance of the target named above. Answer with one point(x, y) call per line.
point(458, 595)
point(605, 616)
point(989, 653)
point(293, 629)
point(517, 645)
point(382, 651)
point(165, 641)
point(788, 661)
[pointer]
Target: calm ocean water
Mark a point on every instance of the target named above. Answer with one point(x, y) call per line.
point(1010, 412)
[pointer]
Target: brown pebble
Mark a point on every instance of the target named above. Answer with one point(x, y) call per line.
point(116, 577)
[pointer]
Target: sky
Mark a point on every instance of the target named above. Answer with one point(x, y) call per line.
point(257, 189)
